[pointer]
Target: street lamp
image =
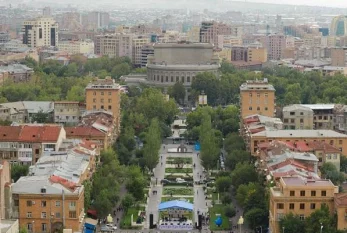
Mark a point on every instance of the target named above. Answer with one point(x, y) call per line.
point(321, 227)
point(283, 229)
point(240, 222)
point(33, 227)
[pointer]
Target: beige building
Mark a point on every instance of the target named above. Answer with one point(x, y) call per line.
point(68, 112)
point(5, 182)
point(224, 54)
point(299, 196)
point(297, 116)
point(104, 95)
point(194, 34)
point(249, 54)
point(114, 45)
point(138, 43)
point(275, 45)
point(40, 32)
point(339, 57)
point(77, 47)
point(230, 41)
point(209, 32)
point(257, 97)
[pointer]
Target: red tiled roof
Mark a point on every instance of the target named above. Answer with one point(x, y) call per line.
point(62, 181)
point(83, 131)
point(29, 133)
point(257, 130)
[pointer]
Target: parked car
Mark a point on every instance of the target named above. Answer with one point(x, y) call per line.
point(165, 181)
point(113, 227)
point(180, 180)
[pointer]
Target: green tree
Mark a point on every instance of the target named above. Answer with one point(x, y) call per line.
point(208, 83)
point(128, 201)
point(87, 193)
point(179, 162)
point(208, 141)
point(178, 92)
point(257, 217)
point(152, 145)
point(119, 70)
point(229, 211)
point(223, 184)
point(23, 230)
point(18, 171)
point(243, 174)
point(292, 223)
point(103, 204)
point(318, 217)
point(236, 156)
point(76, 93)
point(135, 182)
point(329, 171)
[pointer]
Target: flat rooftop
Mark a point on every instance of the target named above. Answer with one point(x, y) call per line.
point(300, 181)
point(257, 85)
point(300, 134)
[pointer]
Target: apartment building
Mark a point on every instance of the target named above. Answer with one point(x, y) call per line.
point(68, 112)
point(40, 32)
point(145, 51)
point(340, 205)
point(77, 47)
point(24, 144)
point(339, 57)
point(249, 54)
point(335, 139)
point(323, 115)
point(114, 45)
point(16, 73)
point(194, 34)
point(138, 43)
point(209, 32)
point(257, 97)
point(297, 116)
point(104, 95)
point(5, 197)
point(299, 196)
point(48, 204)
point(275, 44)
point(95, 126)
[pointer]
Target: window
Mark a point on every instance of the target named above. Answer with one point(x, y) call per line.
point(94, 93)
point(280, 206)
point(109, 107)
point(291, 206)
point(109, 93)
point(43, 214)
point(57, 215)
point(340, 142)
point(102, 93)
point(72, 204)
point(292, 120)
point(30, 227)
point(57, 203)
point(250, 94)
point(72, 214)
point(94, 100)
point(177, 79)
point(43, 203)
point(266, 108)
point(110, 100)
point(292, 113)
point(188, 79)
point(285, 120)
point(302, 206)
point(258, 108)
point(292, 193)
point(94, 107)
point(301, 120)
point(102, 100)
point(29, 203)
point(102, 106)
point(301, 113)
point(324, 193)
point(258, 95)
point(313, 193)
point(29, 215)
point(167, 79)
point(250, 108)
point(44, 226)
point(266, 95)
point(302, 193)
point(302, 217)
point(313, 206)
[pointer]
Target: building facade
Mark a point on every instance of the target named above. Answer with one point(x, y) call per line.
point(68, 112)
point(299, 196)
point(249, 54)
point(339, 26)
point(5, 198)
point(209, 32)
point(275, 44)
point(40, 32)
point(257, 97)
point(138, 43)
point(114, 45)
point(77, 47)
point(297, 117)
point(104, 95)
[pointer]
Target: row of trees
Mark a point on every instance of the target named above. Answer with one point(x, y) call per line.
point(292, 86)
point(102, 192)
point(319, 221)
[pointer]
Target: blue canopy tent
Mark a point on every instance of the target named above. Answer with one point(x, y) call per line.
point(176, 204)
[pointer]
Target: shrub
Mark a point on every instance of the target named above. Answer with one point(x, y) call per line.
point(229, 211)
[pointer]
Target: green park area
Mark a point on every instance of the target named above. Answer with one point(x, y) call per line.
point(188, 199)
point(178, 170)
point(176, 191)
point(175, 160)
point(216, 210)
point(126, 220)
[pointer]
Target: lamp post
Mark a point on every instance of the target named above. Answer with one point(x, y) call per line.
point(240, 222)
point(321, 227)
point(33, 227)
point(283, 229)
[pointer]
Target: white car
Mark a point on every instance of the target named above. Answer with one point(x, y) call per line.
point(114, 227)
point(180, 180)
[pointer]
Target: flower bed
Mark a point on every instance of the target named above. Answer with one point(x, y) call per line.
point(178, 191)
point(178, 170)
point(188, 199)
point(170, 160)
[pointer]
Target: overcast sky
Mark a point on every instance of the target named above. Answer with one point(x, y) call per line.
point(331, 3)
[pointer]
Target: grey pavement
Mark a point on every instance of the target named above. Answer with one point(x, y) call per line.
point(119, 214)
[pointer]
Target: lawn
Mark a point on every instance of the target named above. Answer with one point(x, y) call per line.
point(218, 209)
point(170, 160)
point(186, 191)
point(189, 199)
point(126, 220)
point(178, 170)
